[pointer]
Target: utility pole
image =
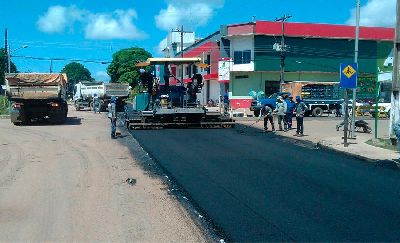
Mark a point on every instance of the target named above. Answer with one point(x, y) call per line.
point(182, 53)
point(51, 66)
point(395, 106)
point(357, 37)
point(282, 49)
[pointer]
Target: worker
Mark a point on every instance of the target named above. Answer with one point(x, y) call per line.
point(300, 110)
point(226, 102)
point(96, 104)
point(289, 112)
point(280, 109)
point(268, 116)
point(166, 76)
point(112, 114)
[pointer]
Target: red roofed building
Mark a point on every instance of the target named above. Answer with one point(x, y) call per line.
point(314, 53)
point(208, 49)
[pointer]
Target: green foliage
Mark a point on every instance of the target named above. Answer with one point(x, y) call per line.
point(3, 61)
point(122, 67)
point(3, 105)
point(129, 77)
point(77, 72)
point(133, 93)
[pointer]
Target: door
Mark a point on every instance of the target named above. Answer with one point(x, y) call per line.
point(271, 87)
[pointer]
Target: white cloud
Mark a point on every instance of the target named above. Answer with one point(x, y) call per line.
point(101, 76)
point(191, 14)
point(376, 13)
point(57, 18)
point(104, 26)
point(161, 46)
point(118, 25)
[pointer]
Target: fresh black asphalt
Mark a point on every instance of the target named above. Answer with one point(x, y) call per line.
point(257, 187)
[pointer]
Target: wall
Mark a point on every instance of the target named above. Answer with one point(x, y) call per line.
point(318, 55)
point(214, 91)
point(242, 43)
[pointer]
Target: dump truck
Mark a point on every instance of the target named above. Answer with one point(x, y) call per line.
point(85, 91)
point(37, 96)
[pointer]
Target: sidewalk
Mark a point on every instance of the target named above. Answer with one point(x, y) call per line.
point(322, 132)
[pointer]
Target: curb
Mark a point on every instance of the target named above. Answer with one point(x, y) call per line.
point(392, 164)
point(4, 116)
point(389, 164)
point(326, 147)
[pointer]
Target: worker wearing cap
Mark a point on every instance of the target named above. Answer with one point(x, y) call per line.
point(268, 117)
point(300, 110)
point(112, 114)
point(280, 110)
point(289, 112)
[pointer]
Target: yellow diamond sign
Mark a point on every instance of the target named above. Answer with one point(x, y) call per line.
point(349, 71)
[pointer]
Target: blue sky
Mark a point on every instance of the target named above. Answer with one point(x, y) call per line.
point(93, 30)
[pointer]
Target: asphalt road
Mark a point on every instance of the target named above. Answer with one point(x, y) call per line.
point(257, 187)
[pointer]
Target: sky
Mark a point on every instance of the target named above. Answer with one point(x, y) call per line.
point(92, 30)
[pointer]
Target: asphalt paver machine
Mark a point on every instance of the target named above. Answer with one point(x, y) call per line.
point(172, 105)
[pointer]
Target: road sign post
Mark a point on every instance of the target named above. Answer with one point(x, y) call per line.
point(348, 80)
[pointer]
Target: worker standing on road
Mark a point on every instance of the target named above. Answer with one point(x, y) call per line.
point(96, 103)
point(280, 110)
point(289, 112)
point(112, 114)
point(300, 110)
point(268, 116)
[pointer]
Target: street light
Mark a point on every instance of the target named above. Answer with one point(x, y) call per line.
point(9, 55)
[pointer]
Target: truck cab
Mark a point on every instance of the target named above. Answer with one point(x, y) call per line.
point(258, 103)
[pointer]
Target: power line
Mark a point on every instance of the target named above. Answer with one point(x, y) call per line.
point(62, 59)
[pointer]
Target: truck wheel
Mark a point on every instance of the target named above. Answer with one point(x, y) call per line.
point(257, 113)
point(317, 111)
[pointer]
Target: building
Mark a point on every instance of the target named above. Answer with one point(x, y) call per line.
point(208, 49)
point(314, 53)
point(173, 42)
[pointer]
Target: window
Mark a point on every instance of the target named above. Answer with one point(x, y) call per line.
point(208, 61)
point(242, 76)
point(242, 57)
point(188, 71)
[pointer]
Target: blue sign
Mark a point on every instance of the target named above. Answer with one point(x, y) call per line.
point(348, 75)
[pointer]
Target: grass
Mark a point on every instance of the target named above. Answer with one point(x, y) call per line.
point(382, 143)
point(3, 105)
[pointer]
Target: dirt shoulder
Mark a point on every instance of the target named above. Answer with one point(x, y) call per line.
point(68, 183)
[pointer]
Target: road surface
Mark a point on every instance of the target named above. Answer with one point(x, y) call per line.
point(67, 183)
point(257, 187)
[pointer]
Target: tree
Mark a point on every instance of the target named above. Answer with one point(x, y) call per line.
point(122, 68)
point(3, 65)
point(77, 72)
